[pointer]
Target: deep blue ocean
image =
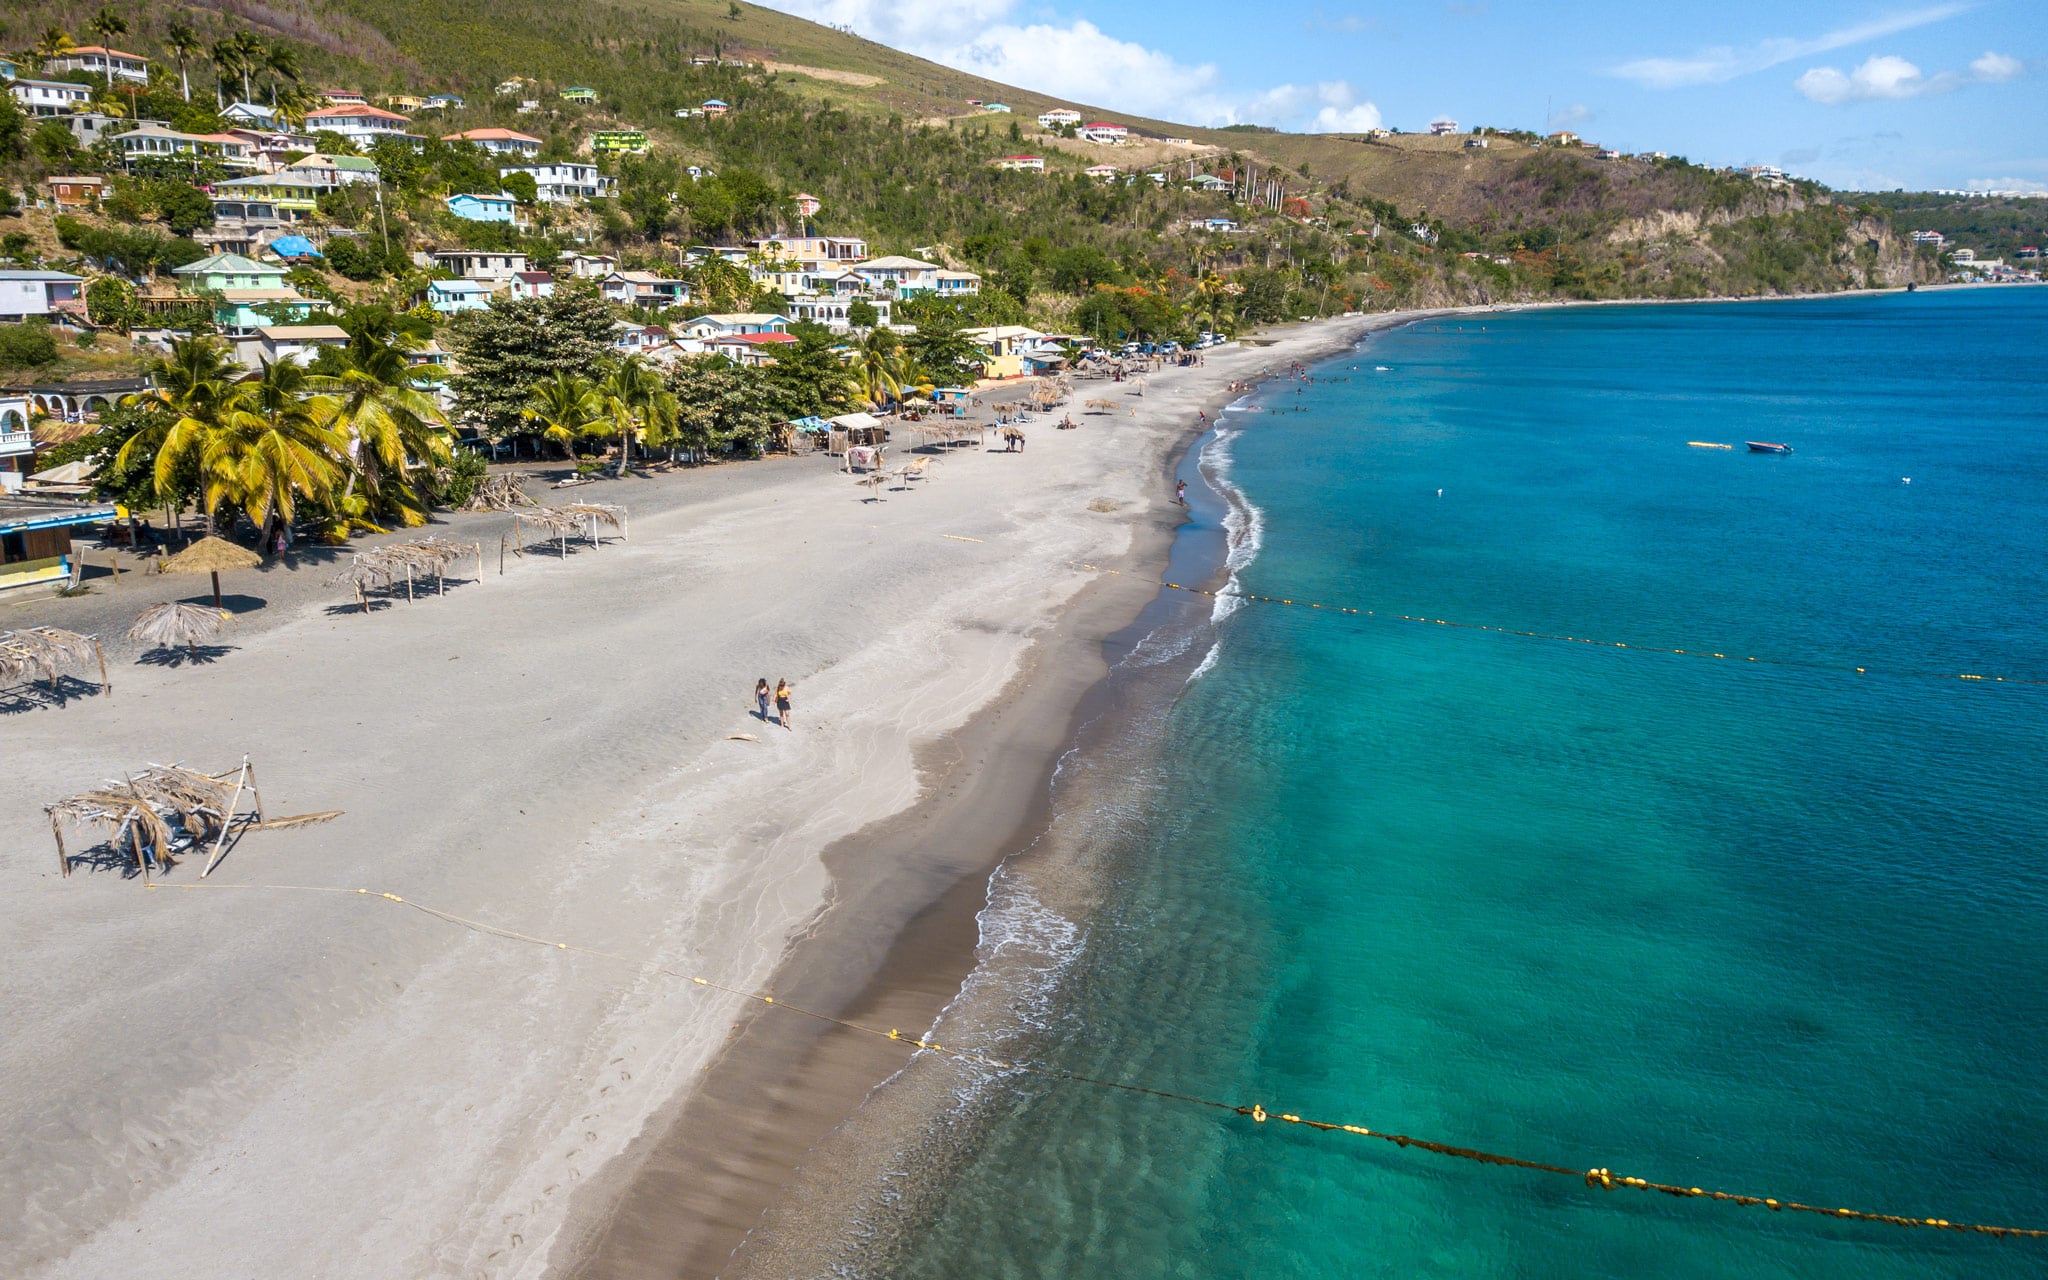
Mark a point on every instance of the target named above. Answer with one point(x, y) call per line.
point(1770, 929)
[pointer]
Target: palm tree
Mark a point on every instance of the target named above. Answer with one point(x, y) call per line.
point(54, 42)
point(566, 407)
point(182, 42)
point(270, 445)
point(880, 367)
point(282, 62)
point(395, 432)
point(191, 382)
point(106, 24)
point(226, 56)
point(638, 402)
point(238, 55)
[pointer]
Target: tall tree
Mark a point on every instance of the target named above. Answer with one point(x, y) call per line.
point(183, 44)
point(271, 446)
point(54, 42)
point(282, 62)
point(394, 431)
point(879, 366)
point(566, 407)
point(107, 24)
point(504, 352)
point(639, 403)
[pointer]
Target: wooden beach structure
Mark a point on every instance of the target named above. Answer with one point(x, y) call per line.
point(43, 653)
point(211, 555)
point(177, 626)
point(165, 809)
point(383, 567)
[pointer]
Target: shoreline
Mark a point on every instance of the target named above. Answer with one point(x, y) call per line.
point(722, 1157)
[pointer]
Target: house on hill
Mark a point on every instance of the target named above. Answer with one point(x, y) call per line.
point(491, 266)
point(736, 324)
point(26, 295)
point(343, 98)
point(645, 289)
point(580, 93)
point(751, 349)
point(996, 108)
point(477, 207)
point(502, 142)
point(49, 97)
point(452, 297)
point(1103, 172)
point(331, 173)
point(564, 182)
point(1443, 126)
point(1026, 164)
point(1563, 138)
point(155, 142)
point(244, 285)
point(532, 284)
point(807, 205)
point(1208, 182)
point(102, 61)
point(898, 273)
point(443, 102)
point(253, 114)
point(714, 107)
point(590, 266)
point(76, 192)
point(1104, 133)
point(1059, 118)
point(631, 142)
point(362, 125)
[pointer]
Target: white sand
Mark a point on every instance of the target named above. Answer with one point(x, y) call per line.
point(258, 1082)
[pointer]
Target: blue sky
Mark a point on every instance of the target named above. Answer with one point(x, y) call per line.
point(1858, 95)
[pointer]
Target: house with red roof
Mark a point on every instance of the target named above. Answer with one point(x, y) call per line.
point(102, 61)
point(504, 142)
point(362, 125)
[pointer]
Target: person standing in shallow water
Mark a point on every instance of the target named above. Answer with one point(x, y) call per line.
point(782, 693)
point(761, 696)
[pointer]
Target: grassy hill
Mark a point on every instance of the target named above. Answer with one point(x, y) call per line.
point(893, 146)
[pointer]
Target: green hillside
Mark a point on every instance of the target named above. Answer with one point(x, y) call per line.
point(895, 150)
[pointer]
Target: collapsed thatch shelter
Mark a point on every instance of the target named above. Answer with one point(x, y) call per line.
point(501, 493)
point(177, 625)
point(574, 517)
point(41, 653)
point(166, 809)
point(211, 555)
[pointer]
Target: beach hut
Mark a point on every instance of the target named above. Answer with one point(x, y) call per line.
point(210, 555)
point(43, 653)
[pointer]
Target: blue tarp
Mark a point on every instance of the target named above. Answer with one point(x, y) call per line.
point(811, 424)
point(294, 247)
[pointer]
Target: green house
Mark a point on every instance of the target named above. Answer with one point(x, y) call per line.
point(578, 93)
point(618, 141)
point(243, 284)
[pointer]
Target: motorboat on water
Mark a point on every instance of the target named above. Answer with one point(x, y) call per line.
point(1760, 446)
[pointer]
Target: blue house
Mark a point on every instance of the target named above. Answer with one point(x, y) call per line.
point(480, 208)
point(451, 297)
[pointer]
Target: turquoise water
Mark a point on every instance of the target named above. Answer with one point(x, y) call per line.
point(1769, 929)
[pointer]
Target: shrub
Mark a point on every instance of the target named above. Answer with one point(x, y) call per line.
point(26, 346)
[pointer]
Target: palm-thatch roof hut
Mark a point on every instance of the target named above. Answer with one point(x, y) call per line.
point(211, 555)
point(385, 565)
point(167, 808)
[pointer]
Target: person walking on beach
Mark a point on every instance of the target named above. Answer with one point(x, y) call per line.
point(782, 692)
point(1180, 493)
point(761, 697)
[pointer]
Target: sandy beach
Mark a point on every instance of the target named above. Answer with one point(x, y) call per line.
point(263, 1077)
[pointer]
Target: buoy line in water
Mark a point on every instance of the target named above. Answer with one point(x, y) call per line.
point(1798, 663)
point(1599, 1177)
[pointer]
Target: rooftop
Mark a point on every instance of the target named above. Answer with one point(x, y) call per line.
point(303, 333)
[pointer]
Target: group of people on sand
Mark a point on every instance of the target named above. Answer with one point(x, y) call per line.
point(782, 693)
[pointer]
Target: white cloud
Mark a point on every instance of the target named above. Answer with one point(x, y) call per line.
point(1080, 61)
point(1889, 78)
point(1880, 77)
point(1995, 67)
point(1723, 63)
point(1570, 117)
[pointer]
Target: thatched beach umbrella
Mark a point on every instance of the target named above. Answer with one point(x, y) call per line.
point(167, 626)
point(41, 651)
point(211, 555)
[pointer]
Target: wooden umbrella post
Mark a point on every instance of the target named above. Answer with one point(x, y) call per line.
point(227, 819)
point(63, 858)
point(105, 684)
point(216, 590)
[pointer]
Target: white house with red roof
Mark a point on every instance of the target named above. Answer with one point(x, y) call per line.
point(504, 142)
point(807, 205)
point(102, 61)
point(1103, 132)
point(362, 125)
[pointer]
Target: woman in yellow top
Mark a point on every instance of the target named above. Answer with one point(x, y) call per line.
point(782, 692)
